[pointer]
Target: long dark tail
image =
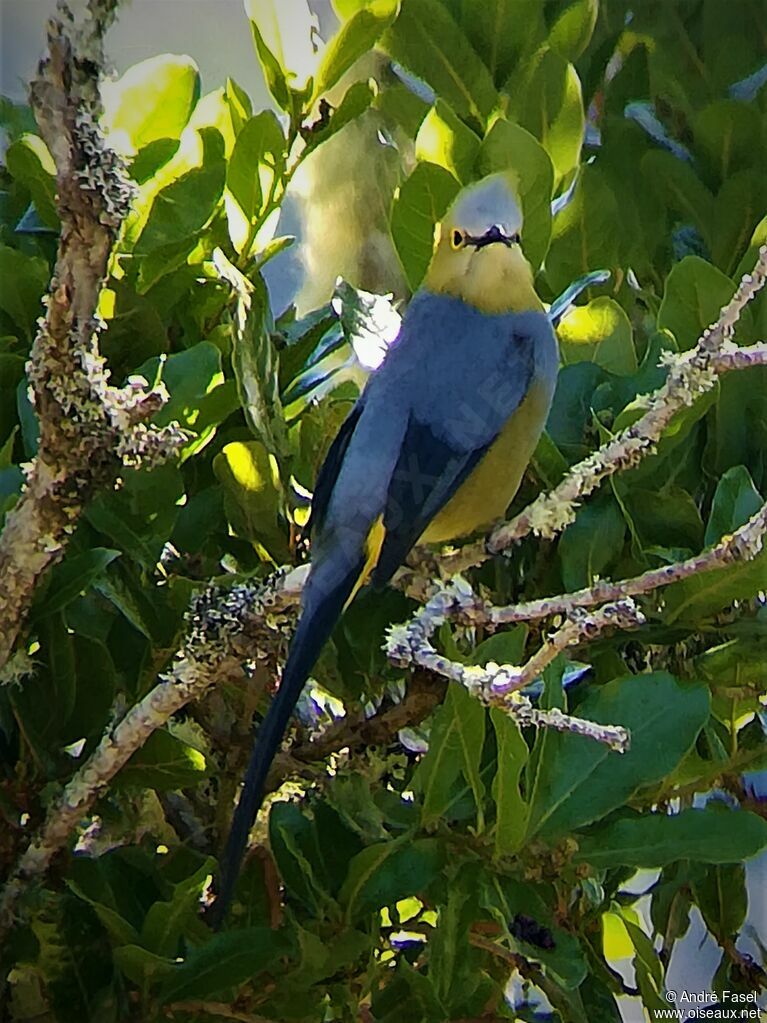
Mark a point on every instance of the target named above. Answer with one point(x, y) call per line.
point(325, 595)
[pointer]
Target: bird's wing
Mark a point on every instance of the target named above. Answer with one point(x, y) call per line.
point(428, 473)
point(330, 468)
point(445, 441)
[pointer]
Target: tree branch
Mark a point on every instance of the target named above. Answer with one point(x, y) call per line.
point(743, 544)
point(89, 431)
point(499, 685)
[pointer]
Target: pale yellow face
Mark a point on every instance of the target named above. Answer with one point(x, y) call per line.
point(477, 254)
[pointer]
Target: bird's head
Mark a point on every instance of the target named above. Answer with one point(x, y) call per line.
point(477, 252)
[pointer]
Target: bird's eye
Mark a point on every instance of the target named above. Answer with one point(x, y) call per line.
point(456, 238)
point(516, 238)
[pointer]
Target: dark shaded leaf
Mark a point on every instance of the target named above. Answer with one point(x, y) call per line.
point(224, 962)
point(426, 40)
point(163, 763)
point(577, 781)
point(384, 873)
point(712, 835)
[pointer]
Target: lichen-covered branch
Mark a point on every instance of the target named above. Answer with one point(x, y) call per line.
point(499, 685)
point(89, 430)
point(227, 630)
point(742, 545)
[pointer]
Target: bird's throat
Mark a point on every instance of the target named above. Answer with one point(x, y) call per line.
point(495, 280)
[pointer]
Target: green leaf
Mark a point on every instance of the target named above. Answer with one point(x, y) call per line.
point(419, 205)
point(253, 495)
point(29, 162)
point(95, 690)
point(426, 40)
point(121, 932)
point(15, 118)
point(141, 967)
point(738, 425)
point(312, 854)
point(163, 763)
point(224, 962)
point(356, 37)
point(647, 964)
point(507, 146)
point(505, 647)
point(265, 27)
point(254, 358)
point(182, 208)
point(257, 159)
point(694, 294)
point(507, 898)
point(57, 646)
point(711, 835)
point(191, 377)
point(724, 133)
point(14, 406)
point(721, 893)
point(503, 31)
point(71, 578)
point(598, 1001)
point(578, 780)
point(240, 106)
point(599, 332)
point(389, 871)
point(677, 186)
point(546, 99)
point(455, 747)
point(451, 969)
point(214, 112)
point(511, 808)
point(739, 205)
point(355, 102)
point(572, 31)
point(140, 517)
point(153, 100)
point(687, 602)
point(24, 280)
point(167, 921)
point(583, 233)
point(149, 160)
point(664, 518)
point(444, 139)
point(293, 839)
point(736, 499)
point(591, 543)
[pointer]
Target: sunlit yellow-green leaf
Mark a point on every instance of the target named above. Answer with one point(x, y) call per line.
point(153, 100)
point(598, 332)
point(253, 494)
point(445, 140)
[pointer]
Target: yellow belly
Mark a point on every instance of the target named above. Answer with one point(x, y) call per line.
point(487, 492)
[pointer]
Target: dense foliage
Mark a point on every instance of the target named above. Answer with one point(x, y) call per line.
point(409, 881)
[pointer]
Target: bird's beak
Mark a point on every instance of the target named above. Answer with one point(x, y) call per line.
point(493, 235)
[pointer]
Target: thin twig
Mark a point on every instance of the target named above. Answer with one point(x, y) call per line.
point(499, 685)
point(744, 544)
